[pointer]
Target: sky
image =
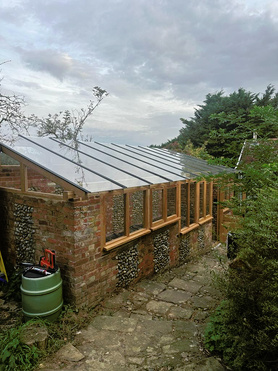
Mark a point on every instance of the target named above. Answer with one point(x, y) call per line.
point(156, 58)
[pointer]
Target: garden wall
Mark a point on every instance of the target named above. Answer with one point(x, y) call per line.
point(28, 225)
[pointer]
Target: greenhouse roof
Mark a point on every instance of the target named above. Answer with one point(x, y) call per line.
point(96, 167)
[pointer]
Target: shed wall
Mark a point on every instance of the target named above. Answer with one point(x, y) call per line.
point(73, 229)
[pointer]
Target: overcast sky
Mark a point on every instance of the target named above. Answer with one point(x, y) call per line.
point(157, 58)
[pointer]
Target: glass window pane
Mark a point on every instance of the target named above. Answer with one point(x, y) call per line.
point(39, 183)
point(184, 205)
point(157, 204)
point(201, 205)
point(171, 201)
point(192, 202)
point(136, 211)
point(114, 216)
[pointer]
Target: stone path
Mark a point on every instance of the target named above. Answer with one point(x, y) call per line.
point(157, 324)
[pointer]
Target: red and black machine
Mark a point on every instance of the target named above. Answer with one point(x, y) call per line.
point(48, 261)
point(47, 265)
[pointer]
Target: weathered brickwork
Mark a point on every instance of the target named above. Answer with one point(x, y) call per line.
point(73, 230)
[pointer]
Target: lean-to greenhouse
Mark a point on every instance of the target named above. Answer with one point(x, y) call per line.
point(113, 213)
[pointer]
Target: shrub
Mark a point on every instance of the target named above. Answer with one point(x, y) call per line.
point(244, 329)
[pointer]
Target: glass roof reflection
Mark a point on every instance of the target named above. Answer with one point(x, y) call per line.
point(94, 167)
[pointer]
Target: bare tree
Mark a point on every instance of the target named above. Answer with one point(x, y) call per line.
point(11, 114)
point(68, 125)
point(65, 125)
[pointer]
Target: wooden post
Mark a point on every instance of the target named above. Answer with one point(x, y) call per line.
point(197, 201)
point(147, 208)
point(23, 178)
point(127, 214)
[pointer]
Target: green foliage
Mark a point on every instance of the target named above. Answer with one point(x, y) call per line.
point(222, 123)
point(199, 152)
point(244, 329)
point(14, 355)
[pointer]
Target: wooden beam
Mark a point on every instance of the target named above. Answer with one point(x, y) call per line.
point(23, 177)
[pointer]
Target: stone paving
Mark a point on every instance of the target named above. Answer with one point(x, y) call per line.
point(158, 324)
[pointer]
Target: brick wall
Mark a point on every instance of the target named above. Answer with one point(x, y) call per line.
point(72, 229)
point(10, 177)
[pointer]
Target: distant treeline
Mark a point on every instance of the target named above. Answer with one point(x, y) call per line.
point(222, 123)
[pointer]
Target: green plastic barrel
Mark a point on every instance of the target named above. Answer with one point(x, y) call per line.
point(42, 296)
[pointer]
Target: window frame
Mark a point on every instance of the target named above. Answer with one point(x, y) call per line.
point(166, 220)
point(197, 219)
point(128, 236)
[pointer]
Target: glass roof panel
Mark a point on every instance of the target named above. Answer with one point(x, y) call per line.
point(112, 168)
point(172, 170)
point(61, 167)
point(148, 169)
point(96, 167)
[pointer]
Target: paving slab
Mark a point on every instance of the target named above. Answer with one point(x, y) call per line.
point(174, 296)
point(176, 312)
point(157, 324)
point(154, 327)
point(135, 344)
point(115, 323)
point(204, 302)
point(185, 329)
point(158, 307)
point(179, 346)
point(151, 287)
point(189, 286)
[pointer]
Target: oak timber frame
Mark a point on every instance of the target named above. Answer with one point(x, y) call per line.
point(150, 225)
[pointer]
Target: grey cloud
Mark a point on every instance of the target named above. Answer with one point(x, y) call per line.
point(132, 48)
point(178, 42)
point(57, 64)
